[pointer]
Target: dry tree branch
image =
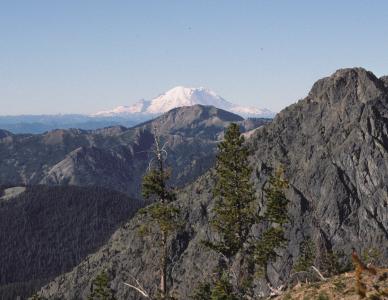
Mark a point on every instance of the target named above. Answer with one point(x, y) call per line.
point(274, 291)
point(138, 287)
point(319, 273)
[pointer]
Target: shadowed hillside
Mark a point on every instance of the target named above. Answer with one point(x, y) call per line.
point(46, 231)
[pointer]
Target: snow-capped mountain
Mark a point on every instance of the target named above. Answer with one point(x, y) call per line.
point(184, 96)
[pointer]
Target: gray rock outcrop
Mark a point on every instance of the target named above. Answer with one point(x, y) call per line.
point(333, 146)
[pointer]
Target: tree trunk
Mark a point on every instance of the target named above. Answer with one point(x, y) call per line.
point(163, 268)
point(266, 275)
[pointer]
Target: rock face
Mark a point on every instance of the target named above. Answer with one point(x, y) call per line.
point(384, 79)
point(116, 157)
point(333, 146)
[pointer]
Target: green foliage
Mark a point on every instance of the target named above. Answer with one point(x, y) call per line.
point(164, 215)
point(155, 185)
point(67, 215)
point(161, 213)
point(234, 193)
point(161, 219)
point(220, 289)
point(161, 296)
point(276, 217)
point(371, 255)
point(264, 253)
point(37, 297)
point(334, 263)
point(100, 289)
point(276, 199)
point(265, 248)
point(235, 214)
point(223, 290)
point(202, 292)
point(306, 257)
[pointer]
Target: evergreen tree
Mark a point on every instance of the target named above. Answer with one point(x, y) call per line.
point(234, 213)
point(234, 216)
point(223, 290)
point(220, 289)
point(100, 289)
point(234, 193)
point(202, 292)
point(275, 217)
point(161, 217)
point(306, 257)
point(36, 297)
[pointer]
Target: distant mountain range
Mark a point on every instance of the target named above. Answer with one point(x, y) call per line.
point(116, 157)
point(62, 193)
point(129, 116)
point(67, 184)
point(43, 123)
point(184, 96)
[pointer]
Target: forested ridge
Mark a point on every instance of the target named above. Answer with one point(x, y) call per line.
point(46, 231)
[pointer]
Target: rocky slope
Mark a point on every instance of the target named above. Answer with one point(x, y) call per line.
point(116, 157)
point(333, 146)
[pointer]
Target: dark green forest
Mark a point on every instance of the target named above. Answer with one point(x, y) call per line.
point(46, 231)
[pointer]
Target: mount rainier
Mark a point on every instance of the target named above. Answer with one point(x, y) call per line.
point(129, 116)
point(183, 96)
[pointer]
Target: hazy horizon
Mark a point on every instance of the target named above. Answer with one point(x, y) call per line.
point(80, 58)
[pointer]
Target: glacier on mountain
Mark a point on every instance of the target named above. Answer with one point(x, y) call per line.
point(184, 96)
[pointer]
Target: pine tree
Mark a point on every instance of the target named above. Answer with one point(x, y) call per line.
point(37, 297)
point(234, 193)
point(219, 289)
point(275, 216)
point(234, 213)
point(161, 217)
point(306, 257)
point(202, 292)
point(223, 290)
point(100, 289)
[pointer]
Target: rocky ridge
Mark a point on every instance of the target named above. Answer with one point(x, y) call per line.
point(333, 146)
point(116, 157)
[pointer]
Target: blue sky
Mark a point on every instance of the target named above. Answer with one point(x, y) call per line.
point(83, 56)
